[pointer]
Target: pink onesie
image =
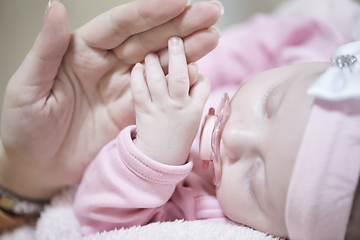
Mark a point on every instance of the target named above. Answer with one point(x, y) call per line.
point(122, 187)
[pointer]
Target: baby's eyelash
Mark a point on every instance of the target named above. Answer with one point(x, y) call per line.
point(264, 97)
point(249, 188)
point(249, 179)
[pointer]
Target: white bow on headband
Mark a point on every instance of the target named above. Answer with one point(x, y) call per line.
point(342, 80)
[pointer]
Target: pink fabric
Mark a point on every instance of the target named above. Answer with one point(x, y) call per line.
point(122, 187)
point(326, 172)
point(266, 42)
point(337, 13)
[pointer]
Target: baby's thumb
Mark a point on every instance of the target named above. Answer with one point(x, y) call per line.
point(41, 65)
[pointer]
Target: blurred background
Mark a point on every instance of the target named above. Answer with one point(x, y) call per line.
point(21, 21)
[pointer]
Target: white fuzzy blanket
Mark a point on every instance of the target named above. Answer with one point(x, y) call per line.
point(58, 222)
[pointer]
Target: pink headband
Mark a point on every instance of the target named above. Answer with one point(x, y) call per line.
point(327, 168)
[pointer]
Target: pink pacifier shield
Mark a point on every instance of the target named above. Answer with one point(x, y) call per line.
point(211, 136)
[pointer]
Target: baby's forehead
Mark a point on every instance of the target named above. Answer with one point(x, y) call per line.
point(301, 70)
point(308, 71)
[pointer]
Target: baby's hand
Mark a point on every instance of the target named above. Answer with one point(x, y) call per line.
point(168, 108)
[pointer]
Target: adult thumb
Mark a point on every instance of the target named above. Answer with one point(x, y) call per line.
point(41, 64)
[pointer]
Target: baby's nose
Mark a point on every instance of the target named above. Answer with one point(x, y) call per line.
point(239, 139)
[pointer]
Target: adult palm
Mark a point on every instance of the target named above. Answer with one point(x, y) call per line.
point(71, 95)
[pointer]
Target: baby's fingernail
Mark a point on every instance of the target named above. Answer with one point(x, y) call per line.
point(217, 30)
point(150, 56)
point(197, 66)
point(174, 41)
point(188, 3)
point(138, 65)
point(222, 10)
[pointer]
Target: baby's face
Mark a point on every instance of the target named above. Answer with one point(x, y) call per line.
point(260, 142)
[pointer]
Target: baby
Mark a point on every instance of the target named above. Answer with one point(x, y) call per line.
point(276, 150)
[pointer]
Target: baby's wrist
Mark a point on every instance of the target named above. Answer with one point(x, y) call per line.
point(169, 157)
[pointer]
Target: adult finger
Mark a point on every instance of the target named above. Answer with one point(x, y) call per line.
point(201, 15)
point(115, 26)
point(41, 65)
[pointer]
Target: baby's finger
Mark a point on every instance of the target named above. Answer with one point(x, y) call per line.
point(139, 88)
point(208, 38)
point(178, 78)
point(200, 91)
point(155, 78)
point(193, 70)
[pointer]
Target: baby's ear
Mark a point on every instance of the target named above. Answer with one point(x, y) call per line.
point(193, 70)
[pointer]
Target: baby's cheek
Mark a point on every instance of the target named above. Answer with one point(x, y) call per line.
point(234, 201)
point(223, 194)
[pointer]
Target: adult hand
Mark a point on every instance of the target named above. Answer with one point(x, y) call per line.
point(71, 95)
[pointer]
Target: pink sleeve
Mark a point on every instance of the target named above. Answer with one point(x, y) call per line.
point(122, 187)
point(268, 41)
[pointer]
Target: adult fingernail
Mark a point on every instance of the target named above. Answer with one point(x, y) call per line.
point(49, 3)
point(188, 3)
point(174, 41)
point(217, 30)
point(222, 10)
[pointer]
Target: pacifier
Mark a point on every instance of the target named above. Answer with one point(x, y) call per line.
point(210, 137)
